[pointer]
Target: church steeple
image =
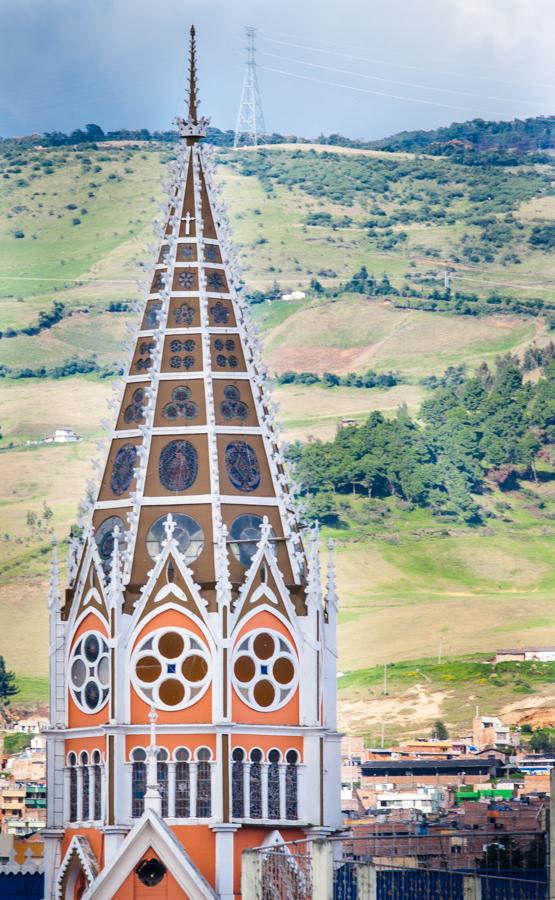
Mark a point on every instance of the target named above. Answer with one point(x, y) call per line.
point(191, 597)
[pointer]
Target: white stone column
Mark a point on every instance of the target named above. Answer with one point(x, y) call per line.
point(92, 816)
point(303, 809)
point(171, 790)
point(67, 793)
point(103, 792)
point(224, 859)
point(79, 793)
point(193, 789)
point(264, 783)
point(282, 802)
point(246, 789)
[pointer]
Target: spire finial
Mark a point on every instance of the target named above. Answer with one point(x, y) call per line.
point(192, 77)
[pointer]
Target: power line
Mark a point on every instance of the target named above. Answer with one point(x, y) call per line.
point(425, 87)
point(361, 90)
point(399, 65)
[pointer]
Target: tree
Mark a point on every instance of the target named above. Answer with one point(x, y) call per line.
point(8, 688)
point(439, 731)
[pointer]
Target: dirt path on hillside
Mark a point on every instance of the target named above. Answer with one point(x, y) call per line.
point(411, 708)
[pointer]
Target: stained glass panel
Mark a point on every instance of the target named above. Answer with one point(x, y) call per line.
point(178, 466)
point(187, 533)
point(185, 280)
point(232, 407)
point(181, 406)
point(182, 790)
point(273, 786)
point(255, 786)
point(184, 314)
point(204, 790)
point(242, 466)
point(138, 787)
point(238, 784)
point(73, 794)
point(134, 412)
point(162, 772)
point(123, 469)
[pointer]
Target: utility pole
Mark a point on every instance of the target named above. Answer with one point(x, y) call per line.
point(250, 119)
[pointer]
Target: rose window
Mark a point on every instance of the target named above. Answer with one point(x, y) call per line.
point(171, 668)
point(89, 672)
point(244, 536)
point(187, 533)
point(265, 671)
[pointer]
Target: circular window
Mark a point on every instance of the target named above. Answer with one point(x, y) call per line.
point(265, 669)
point(187, 533)
point(105, 539)
point(244, 535)
point(89, 672)
point(171, 668)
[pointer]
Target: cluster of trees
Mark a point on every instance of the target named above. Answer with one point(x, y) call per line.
point(8, 687)
point(368, 379)
point(490, 425)
point(536, 133)
point(75, 365)
point(46, 319)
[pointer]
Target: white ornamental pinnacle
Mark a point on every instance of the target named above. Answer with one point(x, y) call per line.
point(331, 589)
point(153, 798)
point(54, 595)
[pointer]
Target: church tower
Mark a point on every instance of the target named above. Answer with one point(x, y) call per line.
point(193, 653)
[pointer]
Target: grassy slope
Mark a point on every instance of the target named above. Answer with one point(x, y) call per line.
point(404, 588)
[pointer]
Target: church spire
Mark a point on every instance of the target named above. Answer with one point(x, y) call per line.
point(192, 76)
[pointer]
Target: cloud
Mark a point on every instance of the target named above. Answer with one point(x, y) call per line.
point(506, 25)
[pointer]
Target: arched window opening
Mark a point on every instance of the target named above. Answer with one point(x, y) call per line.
point(97, 781)
point(204, 783)
point(255, 785)
point(291, 785)
point(182, 784)
point(72, 763)
point(162, 774)
point(138, 782)
point(237, 784)
point(84, 760)
point(274, 757)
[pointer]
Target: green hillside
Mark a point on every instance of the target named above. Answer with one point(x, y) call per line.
point(74, 223)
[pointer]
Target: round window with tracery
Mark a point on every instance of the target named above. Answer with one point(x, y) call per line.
point(265, 671)
point(171, 668)
point(89, 672)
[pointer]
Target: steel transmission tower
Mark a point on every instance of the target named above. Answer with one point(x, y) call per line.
point(250, 119)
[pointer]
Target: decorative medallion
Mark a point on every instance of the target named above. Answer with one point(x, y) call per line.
point(265, 669)
point(211, 253)
point(89, 672)
point(186, 280)
point(177, 346)
point(244, 535)
point(184, 314)
point(145, 350)
point(184, 252)
point(152, 314)
point(105, 539)
point(220, 313)
point(171, 668)
point(135, 411)
point(227, 358)
point(178, 466)
point(187, 533)
point(242, 466)
point(182, 362)
point(181, 406)
point(123, 469)
point(159, 281)
point(232, 407)
point(215, 281)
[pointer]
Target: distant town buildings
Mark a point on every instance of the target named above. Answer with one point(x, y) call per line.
point(526, 654)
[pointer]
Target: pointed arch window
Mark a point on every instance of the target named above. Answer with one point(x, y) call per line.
point(274, 757)
point(84, 760)
point(138, 782)
point(182, 784)
point(238, 783)
point(97, 786)
point(291, 785)
point(204, 783)
point(162, 773)
point(72, 763)
point(255, 785)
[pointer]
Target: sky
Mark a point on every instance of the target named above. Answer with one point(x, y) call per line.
point(362, 68)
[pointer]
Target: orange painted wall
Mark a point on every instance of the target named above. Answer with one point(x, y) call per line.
point(200, 844)
point(197, 713)
point(94, 837)
point(132, 889)
point(288, 714)
point(76, 718)
point(88, 744)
